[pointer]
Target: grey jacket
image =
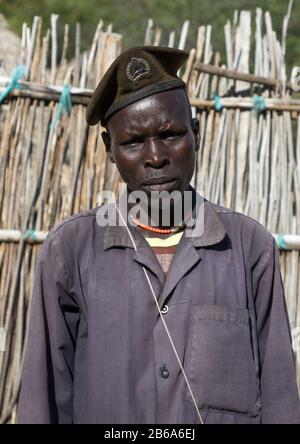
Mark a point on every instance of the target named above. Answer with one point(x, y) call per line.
point(98, 352)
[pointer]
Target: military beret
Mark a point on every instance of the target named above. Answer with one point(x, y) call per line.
point(136, 73)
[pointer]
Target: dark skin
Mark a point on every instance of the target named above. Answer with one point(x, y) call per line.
point(153, 143)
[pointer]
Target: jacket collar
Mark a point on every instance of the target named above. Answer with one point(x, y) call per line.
point(211, 229)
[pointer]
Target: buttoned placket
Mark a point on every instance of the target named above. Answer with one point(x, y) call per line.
point(167, 366)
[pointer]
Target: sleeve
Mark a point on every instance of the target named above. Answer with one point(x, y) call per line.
point(279, 393)
point(46, 383)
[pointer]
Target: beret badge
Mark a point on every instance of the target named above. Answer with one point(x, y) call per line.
point(137, 68)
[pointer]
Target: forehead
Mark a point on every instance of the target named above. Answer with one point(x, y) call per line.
point(162, 109)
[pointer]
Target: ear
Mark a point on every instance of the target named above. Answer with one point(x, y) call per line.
point(107, 142)
point(195, 128)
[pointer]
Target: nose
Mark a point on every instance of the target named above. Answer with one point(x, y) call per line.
point(155, 153)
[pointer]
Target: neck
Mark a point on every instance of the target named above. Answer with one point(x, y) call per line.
point(162, 216)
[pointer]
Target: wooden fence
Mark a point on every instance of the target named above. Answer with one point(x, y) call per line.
point(53, 165)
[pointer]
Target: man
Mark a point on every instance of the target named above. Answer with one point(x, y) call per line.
point(142, 322)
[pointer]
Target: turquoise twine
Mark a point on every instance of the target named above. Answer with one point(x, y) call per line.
point(281, 242)
point(30, 234)
point(65, 105)
point(218, 104)
point(259, 104)
point(16, 75)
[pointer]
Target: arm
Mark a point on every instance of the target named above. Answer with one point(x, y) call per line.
point(279, 393)
point(46, 386)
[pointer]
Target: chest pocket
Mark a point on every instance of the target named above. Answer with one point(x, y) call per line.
point(221, 364)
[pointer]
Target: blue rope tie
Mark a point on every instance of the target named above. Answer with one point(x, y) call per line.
point(30, 234)
point(281, 242)
point(259, 104)
point(64, 106)
point(218, 103)
point(16, 75)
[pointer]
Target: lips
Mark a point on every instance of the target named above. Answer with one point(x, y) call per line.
point(159, 180)
point(160, 184)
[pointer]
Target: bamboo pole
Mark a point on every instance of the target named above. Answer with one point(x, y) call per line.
point(246, 103)
point(244, 77)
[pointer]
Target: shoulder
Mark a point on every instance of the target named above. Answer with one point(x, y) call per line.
point(236, 219)
point(79, 219)
point(246, 232)
point(75, 239)
point(232, 216)
point(75, 231)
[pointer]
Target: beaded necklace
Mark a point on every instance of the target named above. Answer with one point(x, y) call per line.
point(154, 229)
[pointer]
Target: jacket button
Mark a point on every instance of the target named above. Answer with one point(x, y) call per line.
point(164, 372)
point(165, 309)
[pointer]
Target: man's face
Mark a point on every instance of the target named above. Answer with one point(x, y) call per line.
point(153, 142)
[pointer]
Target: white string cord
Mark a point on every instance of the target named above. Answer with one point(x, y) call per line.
point(164, 324)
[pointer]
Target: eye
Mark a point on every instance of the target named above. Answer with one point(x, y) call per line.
point(172, 134)
point(132, 142)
